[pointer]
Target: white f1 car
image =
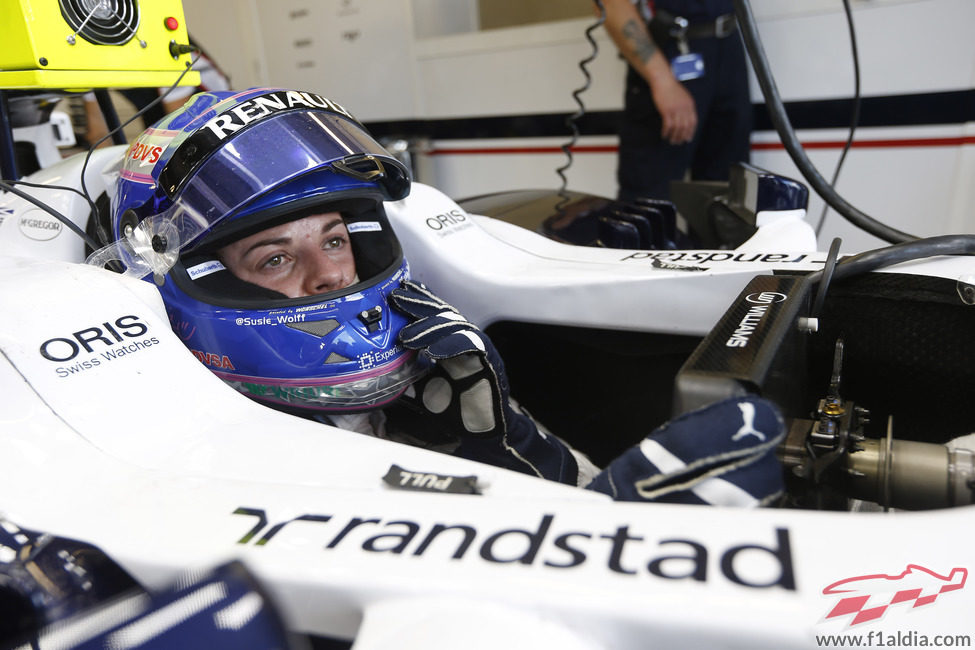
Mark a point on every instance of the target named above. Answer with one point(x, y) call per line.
point(113, 432)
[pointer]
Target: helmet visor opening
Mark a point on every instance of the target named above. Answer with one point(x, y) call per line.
point(251, 163)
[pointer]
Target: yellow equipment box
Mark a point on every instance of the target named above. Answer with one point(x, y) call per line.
point(81, 44)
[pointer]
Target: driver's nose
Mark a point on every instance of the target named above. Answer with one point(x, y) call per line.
point(322, 274)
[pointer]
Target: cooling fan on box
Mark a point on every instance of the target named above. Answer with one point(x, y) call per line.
point(74, 44)
point(101, 22)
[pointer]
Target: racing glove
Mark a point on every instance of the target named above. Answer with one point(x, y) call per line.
point(466, 392)
point(722, 454)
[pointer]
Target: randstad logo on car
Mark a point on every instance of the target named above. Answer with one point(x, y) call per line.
point(869, 597)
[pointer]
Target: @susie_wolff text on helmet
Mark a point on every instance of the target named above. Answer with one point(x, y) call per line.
point(266, 320)
point(623, 551)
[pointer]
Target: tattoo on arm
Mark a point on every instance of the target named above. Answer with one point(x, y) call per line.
point(643, 47)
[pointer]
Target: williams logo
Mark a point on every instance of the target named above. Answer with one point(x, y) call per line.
point(867, 598)
point(760, 302)
point(765, 297)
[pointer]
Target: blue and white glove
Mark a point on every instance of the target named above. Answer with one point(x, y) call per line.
point(722, 454)
point(467, 393)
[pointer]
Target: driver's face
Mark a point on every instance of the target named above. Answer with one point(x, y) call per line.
point(305, 257)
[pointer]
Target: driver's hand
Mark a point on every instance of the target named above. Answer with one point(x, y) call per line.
point(467, 384)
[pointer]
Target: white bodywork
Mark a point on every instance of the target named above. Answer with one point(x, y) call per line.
point(137, 448)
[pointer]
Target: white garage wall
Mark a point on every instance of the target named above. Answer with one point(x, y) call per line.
point(367, 55)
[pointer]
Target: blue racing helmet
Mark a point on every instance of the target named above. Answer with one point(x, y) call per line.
point(228, 165)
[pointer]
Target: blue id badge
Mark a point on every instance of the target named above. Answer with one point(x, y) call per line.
point(687, 66)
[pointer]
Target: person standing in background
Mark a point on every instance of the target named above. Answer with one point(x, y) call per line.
point(687, 106)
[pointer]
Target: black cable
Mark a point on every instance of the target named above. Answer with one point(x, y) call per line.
point(898, 253)
point(91, 149)
point(45, 186)
point(57, 215)
point(855, 114)
point(905, 252)
point(881, 257)
point(8, 186)
point(572, 119)
point(105, 105)
point(773, 102)
point(99, 228)
point(827, 276)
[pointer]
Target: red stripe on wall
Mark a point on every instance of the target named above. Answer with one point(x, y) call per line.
point(756, 146)
point(520, 150)
point(875, 144)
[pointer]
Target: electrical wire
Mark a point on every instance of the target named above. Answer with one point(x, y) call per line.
point(776, 109)
point(45, 186)
point(7, 187)
point(826, 276)
point(162, 96)
point(575, 117)
point(877, 258)
point(901, 252)
point(855, 114)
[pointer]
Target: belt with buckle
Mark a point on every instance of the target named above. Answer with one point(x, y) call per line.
point(720, 27)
